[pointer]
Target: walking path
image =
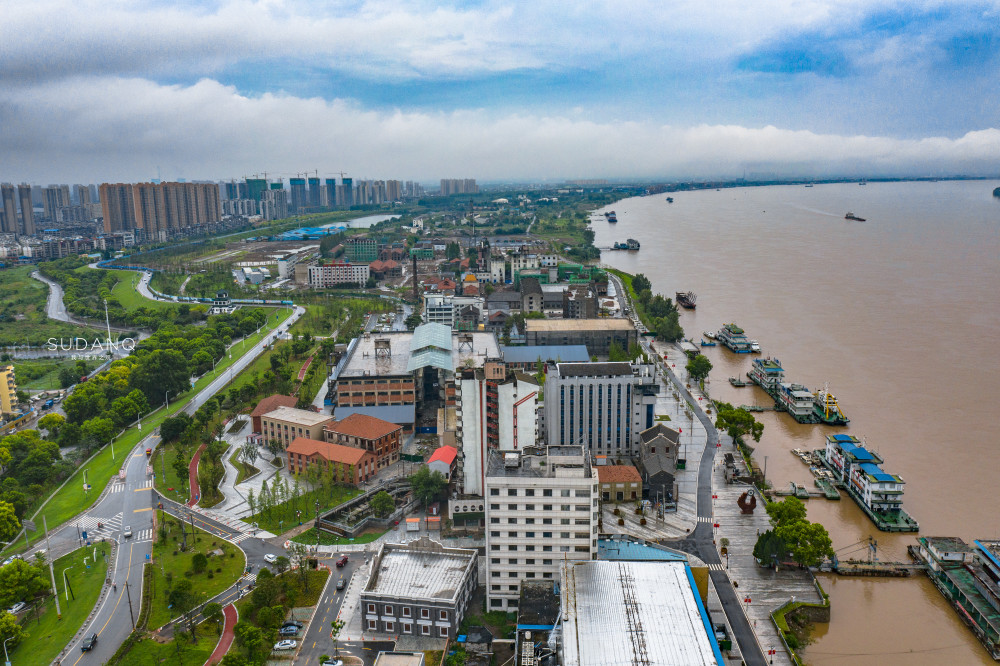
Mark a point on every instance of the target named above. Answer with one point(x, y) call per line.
point(305, 366)
point(193, 477)
point(226, 639)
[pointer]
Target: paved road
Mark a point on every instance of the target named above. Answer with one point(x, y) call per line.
point(703, 543)
point(55, 308)
point(129, 502)
point(316, 639)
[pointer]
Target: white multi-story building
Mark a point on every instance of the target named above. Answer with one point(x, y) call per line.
point(603, 406)
point(497, 409)
point(335, 274)
point(540, 510)
point(445, 308)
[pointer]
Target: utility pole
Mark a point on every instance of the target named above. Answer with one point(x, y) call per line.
point(52, 573)
point(127, 592)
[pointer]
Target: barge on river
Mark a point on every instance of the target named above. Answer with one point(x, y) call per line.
point(802, 404)
point(859, 472)
point(734, 338)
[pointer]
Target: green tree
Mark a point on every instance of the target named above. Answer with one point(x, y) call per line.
point(281, 564)
point(699, 367)
point(616, 353)
point(249, 638)
point(9, 524)
point(20, 581)
point(10, 630)
point(97, 432)
point(173, 427)
point(737, 422)
point(183, 599)
point(248, 455)
point(668, 328)
point(199, 562)
point(787, 511)
point(335, 628)
point(52, 423)
point(428, 485)
point(213, 613)
point(160, 372)
point(641, 283)
point(809, 543)
point(382, 504)
point(769, 548)
point(67, 377)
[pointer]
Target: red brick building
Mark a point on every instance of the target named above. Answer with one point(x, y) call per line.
point(351, 465)
point(380, 438)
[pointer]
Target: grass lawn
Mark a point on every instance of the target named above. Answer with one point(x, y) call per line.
point(244, 470)
point(304, 597)
point(148, 652)
point(306, 503)
point(71, 499)
point(42, 374)
point(131, 299)
point(49, 634)
point(168, 559)
point(162, 462)
point(326, 539)
point(22, 306)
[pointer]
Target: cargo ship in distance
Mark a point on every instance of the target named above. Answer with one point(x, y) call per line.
point(852, 216)
point(611, 216)
point(630, 244)
point(686, 299)
point(734, 339)
point(801, 404)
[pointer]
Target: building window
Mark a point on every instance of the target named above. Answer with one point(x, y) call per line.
point(496, 574)
point(406, 611)
point(407, 628)
point(512, 492)
point(546, 492)
point(443, 632)
point(496, 603)
point(530, 535)
point(546, 535)
point(443, 616)
point(530, 492)
point(387, 610)
point(426, 630)
point(495, 560)
point(494, 533)
point(494, 521)
point(425, 613)
point(546, 561)
point(390, 627)
point(372, 625)
point(512, 560)
point(495, 588)
point(371, 608)
point(494, 507)
point(512, 507)
point(529, 507)
point(547, 574)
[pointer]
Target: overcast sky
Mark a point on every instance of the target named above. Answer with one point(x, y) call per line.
point(102, 90)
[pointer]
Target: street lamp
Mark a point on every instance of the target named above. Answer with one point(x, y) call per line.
point(112, 448)
point(65, 584)
point(166, 399)
point(317, 524)
point(5, 657)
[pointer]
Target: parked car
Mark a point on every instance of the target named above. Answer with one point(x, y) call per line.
point(331, 662)
point(127, 532)
point(89, 643)
point(341, 584)
point(271, 558)
point(292, 623)
point(285, 645)
point(16, 608)
point(342, 561)
point(288, 631)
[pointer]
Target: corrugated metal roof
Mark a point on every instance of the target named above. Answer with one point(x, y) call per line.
point(876, 472)
point(430, 356)
point(399, 414)
point(558, 353)
point(610, 606)
point(431, 335)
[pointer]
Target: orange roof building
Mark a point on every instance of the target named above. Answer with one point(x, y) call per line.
point(380, 438)
point(351, 465)
point(443, 460)
point(619, 483)
point(269, 404)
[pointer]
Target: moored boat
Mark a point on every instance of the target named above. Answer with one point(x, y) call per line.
point(733, 337)
point(852, 216)
point(686, 299)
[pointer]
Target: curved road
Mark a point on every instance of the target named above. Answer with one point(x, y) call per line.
point(128, 501)
point(704, 544)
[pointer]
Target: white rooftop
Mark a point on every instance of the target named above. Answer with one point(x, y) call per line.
point(607, 606)
point(295, 415)
point(364, 362)
point(415, 574)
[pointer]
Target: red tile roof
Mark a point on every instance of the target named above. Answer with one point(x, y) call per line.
point(272, 402)
point(618, 474)
point(364, 426)
point(445, 454)
point(338, 453)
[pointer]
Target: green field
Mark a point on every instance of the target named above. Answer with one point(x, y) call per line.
point(148, 652)
point(71, 499)
point(161, 467)
point(168, 559)
point(285, 511)
point(48, 634)
point(131, 299)
point(42, 374)
point(22, 311)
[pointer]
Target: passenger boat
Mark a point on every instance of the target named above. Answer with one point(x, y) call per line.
point(733, 337)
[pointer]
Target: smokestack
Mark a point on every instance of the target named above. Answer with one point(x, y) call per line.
point(415, 294)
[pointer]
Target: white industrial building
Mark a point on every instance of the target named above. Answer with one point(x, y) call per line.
point(334, 274)
point(603, 406)
point(621, 613)
point(444, 308)
point(541, 510)
point(497, 408)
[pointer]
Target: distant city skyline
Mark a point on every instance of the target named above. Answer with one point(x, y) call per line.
point(521, 91)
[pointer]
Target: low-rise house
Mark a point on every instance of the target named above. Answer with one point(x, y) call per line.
point(349, 464)
point(443, 460)
point(619, 483)
point(380, 438)
point(269, 404)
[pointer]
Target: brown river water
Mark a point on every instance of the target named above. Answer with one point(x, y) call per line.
point(901, 316)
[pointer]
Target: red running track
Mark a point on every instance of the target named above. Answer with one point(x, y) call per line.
point(226, 639)
point(193, 477)
point(305, 366)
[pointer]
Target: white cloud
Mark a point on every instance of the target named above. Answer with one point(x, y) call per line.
point(109, 129)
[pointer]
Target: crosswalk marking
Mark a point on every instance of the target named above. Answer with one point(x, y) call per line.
point(241, 537)
point(704, 519)
point(144, 535)
point(116, 487)
point(717, 567)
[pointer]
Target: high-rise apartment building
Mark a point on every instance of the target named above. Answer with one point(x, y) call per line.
point(298, 190)
point(159, 208)
point(541, 509)
point(330, 190)
point(348, 197)
point(255, 188)
point(603, 406)
point(393, 190)
point(9, 218)
point(82, 195)
point(274, 204)
point(27, 209)
point(314, 196)
point(451, 186)
point(8, 390)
